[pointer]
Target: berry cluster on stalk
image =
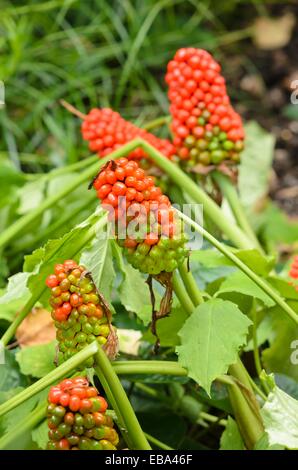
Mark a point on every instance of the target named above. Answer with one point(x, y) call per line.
point(146, 225)
point(77, 312)
point(77, 418)
point(106, 131)
point(206, 128)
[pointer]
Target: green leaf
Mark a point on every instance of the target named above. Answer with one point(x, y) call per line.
point(38, 360)
point(168, 328)
point(210, 340)
point(31, 195)
point(283, 287)
point(98, 260)
point(258, 154)
point(231, 438)
point(16, 288)
point(280, 419)
point(133, 291)
point(10, 375)
point(276, 227)
point(263, 444)
point(282, 354)
point(239, 282)
point(40, 435)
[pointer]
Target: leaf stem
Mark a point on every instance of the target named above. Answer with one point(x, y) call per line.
point(53, 376)
point(23, 426)
point(136, 435)
point(243, 267)
point(229, 191)
point(182, 295)
point(149, 367)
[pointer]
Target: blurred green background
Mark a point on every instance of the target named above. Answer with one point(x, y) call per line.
point(110, 53)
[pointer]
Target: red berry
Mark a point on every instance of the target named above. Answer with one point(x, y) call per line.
point(52, 281)
point(74, 403)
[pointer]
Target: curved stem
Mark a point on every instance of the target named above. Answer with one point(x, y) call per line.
point(229, 191)
point(53, 376)
point(136, 435)
point(9, 333)
point(243, 267)
point(181, 294)
point(23, 426)
point(22, 223)
point(190, 285)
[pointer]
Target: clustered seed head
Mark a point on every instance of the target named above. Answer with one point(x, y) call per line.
point(206, 128)
point(77, 418)
point(133, 201)
point(107, 131)
point(77, 312)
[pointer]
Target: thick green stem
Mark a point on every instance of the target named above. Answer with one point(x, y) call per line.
point(136, 435)
point(190, 285)
point(199, 196)
point(149, 367)
point(243, 267)
point(18, 227)
point(229, 191)
point(53, 376)
point(182, 295)
point(41, 287)
point(23, 426)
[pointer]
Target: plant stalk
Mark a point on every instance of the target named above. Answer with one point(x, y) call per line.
point(190, 285)
point(182, 295)
point(149, 367)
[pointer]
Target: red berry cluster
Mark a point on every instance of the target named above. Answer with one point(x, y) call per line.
point(206, 128)
point(77, 419)
point(134, 202)
point(107, 131)
point(77, 311)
